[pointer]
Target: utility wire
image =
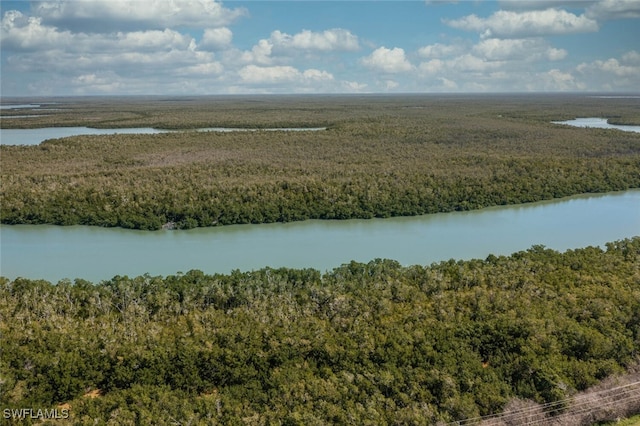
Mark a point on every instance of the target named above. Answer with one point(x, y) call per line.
point(575, 405)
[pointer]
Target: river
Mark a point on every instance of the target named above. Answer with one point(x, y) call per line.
point(36, 136)
point(93, 253)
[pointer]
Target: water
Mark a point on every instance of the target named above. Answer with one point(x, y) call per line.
point(600, 123)
point(20, 106)
point(36, 136)
point(53, 252)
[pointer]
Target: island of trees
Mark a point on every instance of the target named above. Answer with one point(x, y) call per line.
point(379, 157)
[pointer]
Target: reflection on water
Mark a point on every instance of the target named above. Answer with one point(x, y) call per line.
point(54, 252)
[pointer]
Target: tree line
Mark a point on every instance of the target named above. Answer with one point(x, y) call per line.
point(403, 161)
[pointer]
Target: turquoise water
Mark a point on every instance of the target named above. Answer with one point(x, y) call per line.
point(54, 252)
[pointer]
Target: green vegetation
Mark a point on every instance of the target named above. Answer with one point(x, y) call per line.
point(372, 343)
point(631, 421)
point(380, 156)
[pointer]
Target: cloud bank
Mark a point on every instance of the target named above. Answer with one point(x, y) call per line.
point(205, 46)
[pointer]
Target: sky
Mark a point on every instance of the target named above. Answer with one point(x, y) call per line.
point(202, 47)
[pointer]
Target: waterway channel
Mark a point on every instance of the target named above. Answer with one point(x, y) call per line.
point(38, 135)
point(93, 253)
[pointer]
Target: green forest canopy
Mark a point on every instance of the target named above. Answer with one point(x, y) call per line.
point(374, 343)
point(380, 156)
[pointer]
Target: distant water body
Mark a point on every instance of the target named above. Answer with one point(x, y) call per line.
point(599, 123)
point(36, 136)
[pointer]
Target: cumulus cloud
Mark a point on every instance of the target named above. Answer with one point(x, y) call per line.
point(556, 80)
point(509, 24)
point(216, 38)
point(259, 54)
point(439, 50)
point(212, 68)
point(632, 57)
point(253, 74)
point(187, 46)
point(336, 39)
point(98, 61)
point(618, 71)
point(543, 4)
point(29, 34)
point(387, 60)
point(614, 9)
point(353, 86)
point(20, 32)
point(432, 67)
point(530, 49)
point(114, 15)
point(286, 45)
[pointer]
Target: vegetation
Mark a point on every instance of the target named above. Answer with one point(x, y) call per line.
point(631, 421)
point(380, 156)
point(373, 343)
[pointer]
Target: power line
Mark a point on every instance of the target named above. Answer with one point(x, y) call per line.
point(576, 405)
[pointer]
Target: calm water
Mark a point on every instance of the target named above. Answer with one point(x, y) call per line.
point(53, 252)
point(36, 136)
point(600, 123)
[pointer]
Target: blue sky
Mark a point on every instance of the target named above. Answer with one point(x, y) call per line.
point(97, 47)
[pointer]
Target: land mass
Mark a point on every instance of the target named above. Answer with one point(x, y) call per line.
point(367, 343)
point(380, 156)
point(374, 343)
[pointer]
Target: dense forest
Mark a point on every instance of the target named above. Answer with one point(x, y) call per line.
point(379, 157)
point(367, 343)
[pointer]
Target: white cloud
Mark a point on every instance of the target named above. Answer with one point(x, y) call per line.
point(118, 46)
point(105, 83)
point(336, 39)
point(147, 41)
point(29, 34)
point(259, 54)
point(612, 68)
point(530, 50)
point(632, 57)
point(216, 38)
point(317, 75)
point(472, 63)
point(614, 9)
point(353, 86)
point(433, 66)
point(556, 80)
point(20, 32)
point(439, 50)
point(508, 24)
point(204, 69)
point(448, 84)
point(388, 60)
point(285, 46)
point(253, 74)
point(110, 15)
point(543, 4)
